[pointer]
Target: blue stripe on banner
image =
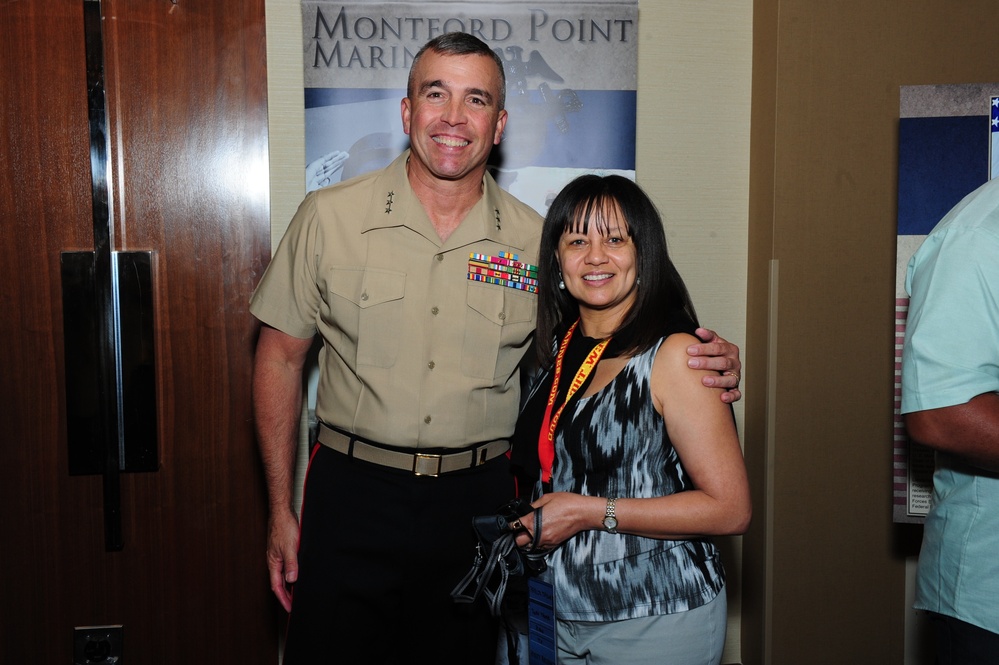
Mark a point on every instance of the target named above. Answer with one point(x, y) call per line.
point(940, 161)
point(315, 97)
point(588, 129)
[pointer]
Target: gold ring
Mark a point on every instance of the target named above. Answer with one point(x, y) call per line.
point(737, 377)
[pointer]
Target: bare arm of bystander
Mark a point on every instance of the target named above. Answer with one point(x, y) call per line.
point(969, 431)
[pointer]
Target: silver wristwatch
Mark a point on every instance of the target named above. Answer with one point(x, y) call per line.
point(610, 517)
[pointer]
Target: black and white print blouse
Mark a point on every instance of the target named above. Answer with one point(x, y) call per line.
point(615, 444)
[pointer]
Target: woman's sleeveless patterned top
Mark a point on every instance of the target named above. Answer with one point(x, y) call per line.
point(614, 443)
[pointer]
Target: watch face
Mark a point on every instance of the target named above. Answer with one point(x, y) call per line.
point(610, 523)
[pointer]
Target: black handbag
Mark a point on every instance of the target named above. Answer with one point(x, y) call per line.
point(500, 569)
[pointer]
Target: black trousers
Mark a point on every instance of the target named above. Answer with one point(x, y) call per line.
point(379, 553)
point(961, 643)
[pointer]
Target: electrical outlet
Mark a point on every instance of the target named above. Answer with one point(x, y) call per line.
point(93, 645)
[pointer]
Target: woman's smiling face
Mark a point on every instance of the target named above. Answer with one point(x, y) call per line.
point(598, 261)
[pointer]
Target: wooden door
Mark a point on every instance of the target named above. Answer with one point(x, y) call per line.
point(186, 108)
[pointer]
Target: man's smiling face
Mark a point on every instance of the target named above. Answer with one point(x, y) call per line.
point(453, 117)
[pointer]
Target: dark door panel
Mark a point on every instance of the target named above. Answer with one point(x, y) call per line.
point(186, 101)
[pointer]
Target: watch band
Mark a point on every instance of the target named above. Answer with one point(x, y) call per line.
point(610, 515)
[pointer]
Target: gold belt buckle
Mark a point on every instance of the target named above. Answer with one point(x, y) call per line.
point(421, 460)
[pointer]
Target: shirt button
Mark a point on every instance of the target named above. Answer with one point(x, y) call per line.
point(434, 310)
point(364, 296)
point(426, 419)
point(431, 364)
point(439, 257)
point(502, 316)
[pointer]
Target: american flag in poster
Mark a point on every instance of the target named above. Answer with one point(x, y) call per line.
point(994, 142)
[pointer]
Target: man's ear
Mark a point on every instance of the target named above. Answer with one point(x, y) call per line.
point(500, 126)
point(407, 114)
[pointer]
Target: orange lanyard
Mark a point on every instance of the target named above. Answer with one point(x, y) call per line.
point(546, 437)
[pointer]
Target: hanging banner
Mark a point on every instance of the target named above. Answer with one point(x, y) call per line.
point(571, 70)
point(947, 148)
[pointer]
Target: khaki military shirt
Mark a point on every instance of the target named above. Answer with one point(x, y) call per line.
point(416, 352)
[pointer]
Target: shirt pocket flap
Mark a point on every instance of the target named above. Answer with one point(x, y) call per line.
point(367, 287)
point(501, 305)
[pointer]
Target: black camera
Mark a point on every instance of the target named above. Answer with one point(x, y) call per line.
point(499, 563)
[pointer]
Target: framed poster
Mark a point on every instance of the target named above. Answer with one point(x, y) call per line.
point(947, 148)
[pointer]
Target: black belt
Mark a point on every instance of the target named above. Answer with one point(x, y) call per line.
point(420, 464)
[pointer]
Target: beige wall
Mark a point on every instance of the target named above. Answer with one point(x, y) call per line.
point(693, 156)
point(286, 107)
